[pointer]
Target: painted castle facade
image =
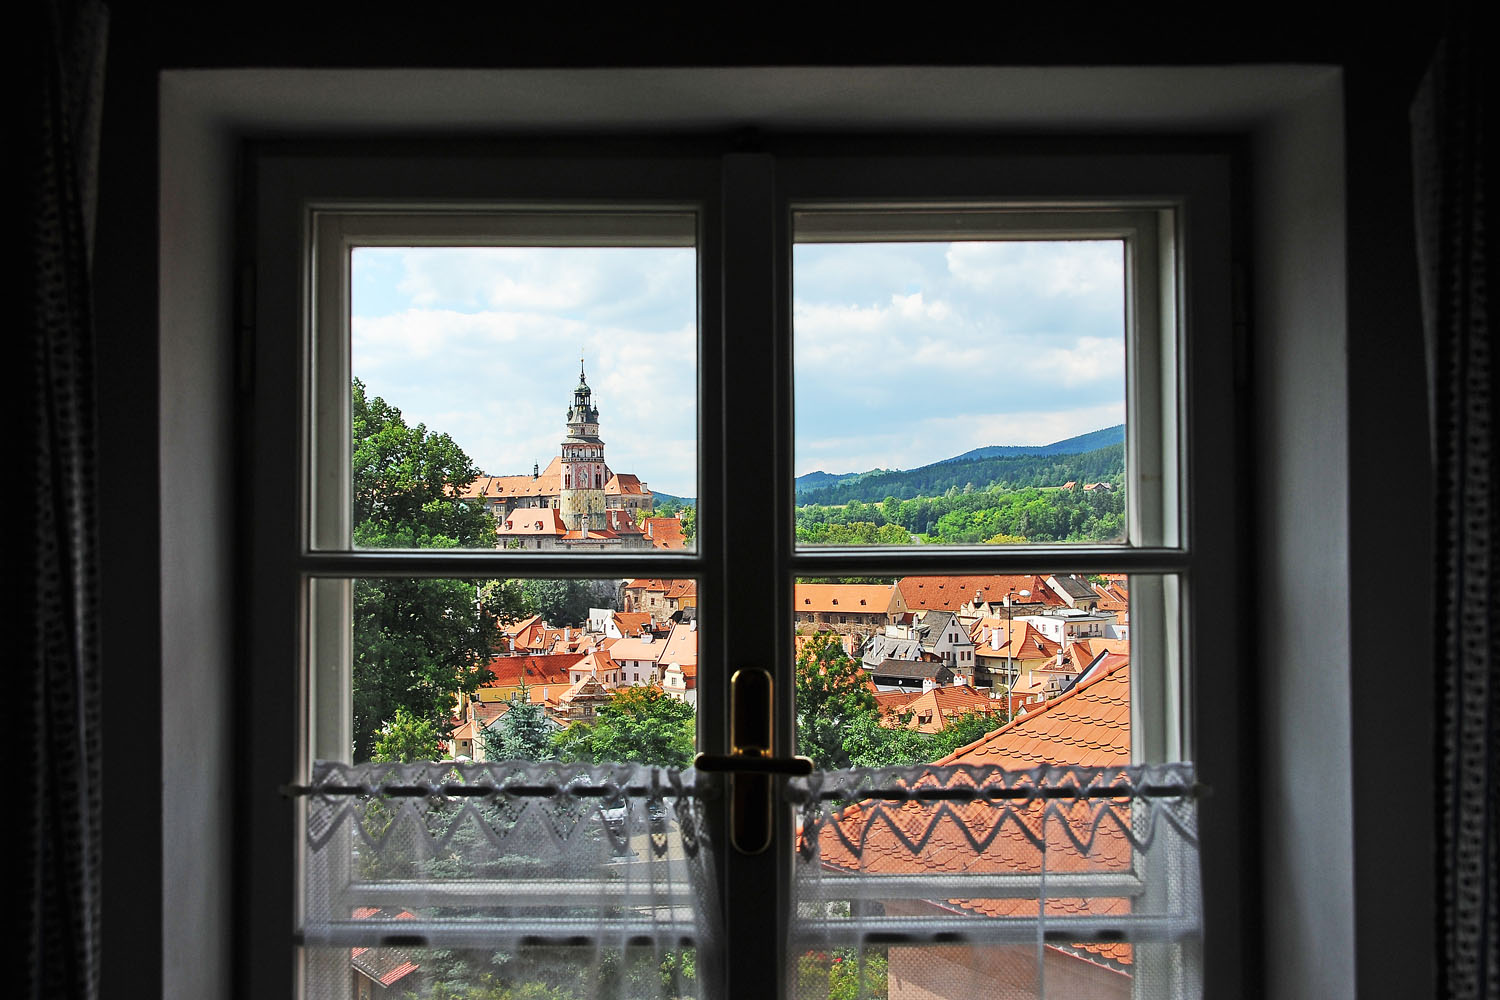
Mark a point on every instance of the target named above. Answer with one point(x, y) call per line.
point(577, 502)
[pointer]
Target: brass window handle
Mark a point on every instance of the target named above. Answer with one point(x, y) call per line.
point(749, 763)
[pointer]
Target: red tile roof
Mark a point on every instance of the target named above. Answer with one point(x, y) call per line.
point(841, 598)
point(950, 593)
point(1088, 726)
point(665, 532)
point(551, 668)
point(532, 521)
point(932, 710)
point(625, 484)
point(546, 484)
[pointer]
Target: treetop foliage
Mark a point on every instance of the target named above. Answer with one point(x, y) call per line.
point(831, 693)
point(406, 738)
point(417, 642)
point(1011, 472)
point(640, 724)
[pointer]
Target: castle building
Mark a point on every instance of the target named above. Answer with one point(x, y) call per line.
point(577, 502)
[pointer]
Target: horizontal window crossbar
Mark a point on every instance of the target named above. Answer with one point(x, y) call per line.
point(971, 885)
point(500, 932)
point(998, 930)
point(517, 892)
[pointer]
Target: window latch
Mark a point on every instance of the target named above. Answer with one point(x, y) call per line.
point(750, 763)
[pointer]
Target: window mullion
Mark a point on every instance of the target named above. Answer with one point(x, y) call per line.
point(756, 534)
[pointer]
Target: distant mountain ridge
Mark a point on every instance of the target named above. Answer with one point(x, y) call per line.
point(1076, 445)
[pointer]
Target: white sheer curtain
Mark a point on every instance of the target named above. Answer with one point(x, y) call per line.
point(962, 881)
point(509, 880)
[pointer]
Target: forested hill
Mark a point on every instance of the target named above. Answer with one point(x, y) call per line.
point(1008, 471)
point(1092, 441)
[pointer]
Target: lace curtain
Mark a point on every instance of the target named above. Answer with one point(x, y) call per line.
point(963, 881)
point(536, 881)
point(547, 881)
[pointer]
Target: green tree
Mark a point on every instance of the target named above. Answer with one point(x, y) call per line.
point(639, 724)
point(558, 601)
point(417, 642)
point(869, 744)
point(965, 729)
point(406, 738)
point(521, 734)
point(566, 602)
point(831, 694)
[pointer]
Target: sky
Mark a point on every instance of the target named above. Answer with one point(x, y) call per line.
point(905, 353)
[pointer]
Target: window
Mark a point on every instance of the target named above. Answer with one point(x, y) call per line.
point(747, 557)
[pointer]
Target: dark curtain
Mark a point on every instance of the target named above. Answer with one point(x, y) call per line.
point(63, 56)
point(1452, 148)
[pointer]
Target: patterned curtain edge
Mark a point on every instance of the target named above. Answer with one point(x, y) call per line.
point(1450, 148)
point(62, 859)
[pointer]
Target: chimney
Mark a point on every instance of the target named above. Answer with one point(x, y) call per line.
point(928, 683)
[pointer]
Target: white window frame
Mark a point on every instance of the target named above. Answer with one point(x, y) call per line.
point(1166, 221)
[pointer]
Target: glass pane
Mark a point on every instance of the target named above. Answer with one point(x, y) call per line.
point(983, 826)
point(963, 669)
point(486, 381)
point(960, 392)
point(587, 671)
point(475, 881)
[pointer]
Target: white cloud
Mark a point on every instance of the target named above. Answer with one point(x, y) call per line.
point(1081, 270)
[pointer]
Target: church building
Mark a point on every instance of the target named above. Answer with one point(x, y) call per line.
point(577, 501)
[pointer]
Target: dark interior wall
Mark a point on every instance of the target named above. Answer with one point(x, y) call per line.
point(1389, 514)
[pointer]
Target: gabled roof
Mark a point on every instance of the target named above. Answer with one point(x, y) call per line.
point(1073, 586)
point(503, 487)
point(928, 666)
point(664, 532)
point(681, 646)
point(842, 598)
point(993, 637)
point(950, 593)
point(678, 589)
point(941, 705)
point(587, 687)
point(624, 484)
point(548, 668)
point(631, 622)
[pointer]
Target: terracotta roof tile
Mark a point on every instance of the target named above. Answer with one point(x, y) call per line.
point(509, 671)
point(950, 593)
point(664, 532)
point(842, 598)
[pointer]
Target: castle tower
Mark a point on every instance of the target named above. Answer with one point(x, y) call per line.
point(581, 499)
